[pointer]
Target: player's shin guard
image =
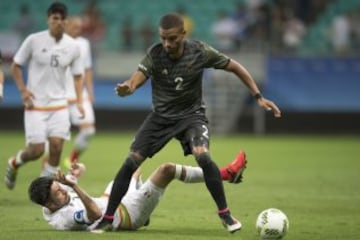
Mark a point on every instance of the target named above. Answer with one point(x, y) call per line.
point(212, 179)
point(120, 186)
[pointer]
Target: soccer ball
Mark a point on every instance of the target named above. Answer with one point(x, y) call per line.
point(272, 223)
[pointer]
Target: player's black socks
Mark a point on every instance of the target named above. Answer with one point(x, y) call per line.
point(212, 179)
point(120, 185)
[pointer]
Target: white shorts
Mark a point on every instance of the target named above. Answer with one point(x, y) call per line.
point(40, 125)
point(139, 201)
point(75, 115)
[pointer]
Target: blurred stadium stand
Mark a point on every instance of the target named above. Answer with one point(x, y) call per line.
point(114, 12)
point(317, 41)
point(317, 90)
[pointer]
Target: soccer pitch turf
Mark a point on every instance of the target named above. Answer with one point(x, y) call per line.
point(315, 180)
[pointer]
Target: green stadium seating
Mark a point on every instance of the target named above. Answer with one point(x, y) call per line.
point(203, 13)
point(317, 41)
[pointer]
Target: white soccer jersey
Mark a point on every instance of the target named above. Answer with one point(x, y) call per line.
point(73, 216)
point(70, 217)
point(85, 59)
point(47, 62)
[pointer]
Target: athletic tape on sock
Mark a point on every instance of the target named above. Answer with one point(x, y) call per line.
point(18, 159)
point(178, 171)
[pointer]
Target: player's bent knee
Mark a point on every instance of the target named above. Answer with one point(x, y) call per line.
point(167, 169)
point(133, 161)
point(136, 157)
point(199, 145)
point(196, 151)
point(88, 131)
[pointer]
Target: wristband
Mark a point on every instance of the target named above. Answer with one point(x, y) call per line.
point(257, 96)
point(1, 90)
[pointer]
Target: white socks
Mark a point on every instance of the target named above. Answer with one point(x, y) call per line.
point(83, 137)
point(49, 171)
point(18, 160)
point(192, 174)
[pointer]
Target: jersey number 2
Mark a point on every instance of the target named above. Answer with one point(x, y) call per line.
point(179, 83)
point(206, 131)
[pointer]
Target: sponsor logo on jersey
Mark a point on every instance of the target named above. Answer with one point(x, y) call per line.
point(79, 217)
point(164, 71)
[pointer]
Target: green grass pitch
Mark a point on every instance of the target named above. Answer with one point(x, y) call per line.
point(315, 180)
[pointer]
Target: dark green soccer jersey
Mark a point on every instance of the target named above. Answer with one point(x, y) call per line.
point(177, 84)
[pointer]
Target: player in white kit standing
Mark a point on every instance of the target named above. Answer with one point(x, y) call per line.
point(48, 55)
point(86, 125)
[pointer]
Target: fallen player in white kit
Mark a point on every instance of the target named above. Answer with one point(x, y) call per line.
point(68, 207)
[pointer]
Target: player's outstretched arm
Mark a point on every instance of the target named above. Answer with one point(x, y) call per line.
point(246, 78)
point(268, 105)
point(92, 210)
point(129, 86)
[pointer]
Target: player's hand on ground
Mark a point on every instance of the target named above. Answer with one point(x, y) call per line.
point(123, 89)
point(77, 169)
point(27, 97)
point(269, 106)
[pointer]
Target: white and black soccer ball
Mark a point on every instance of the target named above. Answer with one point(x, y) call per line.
point(272, 223)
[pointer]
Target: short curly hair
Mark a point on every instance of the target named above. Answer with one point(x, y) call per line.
point(171, 20)
point(39, 190)
point(58, 7)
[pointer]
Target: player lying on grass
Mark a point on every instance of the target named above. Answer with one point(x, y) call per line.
point(66, 206)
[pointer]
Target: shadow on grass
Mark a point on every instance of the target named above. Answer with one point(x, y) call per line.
point(193, 232)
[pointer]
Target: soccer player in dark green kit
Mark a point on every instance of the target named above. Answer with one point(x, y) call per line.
point(175, 67)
